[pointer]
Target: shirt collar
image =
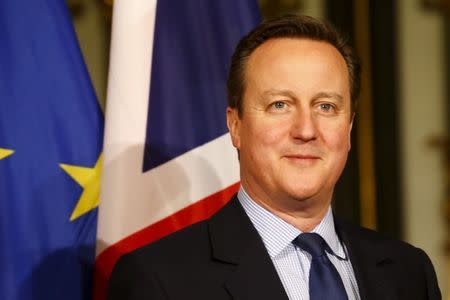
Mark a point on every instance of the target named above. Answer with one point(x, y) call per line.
point(327, 231)
point(277, 234)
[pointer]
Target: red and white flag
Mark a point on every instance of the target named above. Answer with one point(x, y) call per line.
point(168, 160)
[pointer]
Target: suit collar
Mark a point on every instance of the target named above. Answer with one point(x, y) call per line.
point(235, 241)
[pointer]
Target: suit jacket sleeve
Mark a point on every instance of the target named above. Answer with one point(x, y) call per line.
point(132, 281)
point(432, 283)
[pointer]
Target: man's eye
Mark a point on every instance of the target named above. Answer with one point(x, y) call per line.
point(279, 105)
point(326, 106)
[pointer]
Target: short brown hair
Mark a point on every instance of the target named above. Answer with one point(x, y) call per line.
point(290, 26)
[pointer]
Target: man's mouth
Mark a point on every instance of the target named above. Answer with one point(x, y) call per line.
point(302, 156)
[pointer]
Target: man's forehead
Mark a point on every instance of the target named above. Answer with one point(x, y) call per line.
point(278, 41)
point(294, 49)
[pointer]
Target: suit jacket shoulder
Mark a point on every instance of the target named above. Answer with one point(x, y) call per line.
point(387, 268)
point(149, 272)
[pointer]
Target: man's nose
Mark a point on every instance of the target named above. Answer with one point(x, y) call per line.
point(303, 125)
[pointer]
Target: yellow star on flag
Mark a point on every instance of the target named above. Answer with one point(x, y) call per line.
point(5, 153)
point(89, 179)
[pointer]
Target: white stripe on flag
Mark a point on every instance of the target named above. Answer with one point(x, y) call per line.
point(127, 103)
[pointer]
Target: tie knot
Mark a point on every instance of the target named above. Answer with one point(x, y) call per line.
point(312, 243)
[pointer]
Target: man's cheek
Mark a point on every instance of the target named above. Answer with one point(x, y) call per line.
point(270, 134)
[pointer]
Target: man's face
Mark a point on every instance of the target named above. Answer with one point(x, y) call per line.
point(294, 132)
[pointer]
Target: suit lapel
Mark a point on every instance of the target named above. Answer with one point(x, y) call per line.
point(235, 241)
point(369, 261)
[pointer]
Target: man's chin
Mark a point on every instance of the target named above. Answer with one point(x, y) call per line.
point(307, 195)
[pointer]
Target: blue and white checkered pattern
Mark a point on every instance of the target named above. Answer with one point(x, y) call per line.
point(291, 262)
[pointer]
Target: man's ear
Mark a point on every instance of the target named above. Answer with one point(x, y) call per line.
point(233, 123)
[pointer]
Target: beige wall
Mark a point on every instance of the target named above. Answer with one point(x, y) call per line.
point(91, 25)
point(422, 107)
point(314, 8)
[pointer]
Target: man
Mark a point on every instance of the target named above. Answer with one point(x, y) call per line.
point(292, 89)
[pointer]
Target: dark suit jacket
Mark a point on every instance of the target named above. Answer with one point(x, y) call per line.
point(225, 258)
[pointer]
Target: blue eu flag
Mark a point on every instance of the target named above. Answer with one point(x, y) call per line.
point(50, 155)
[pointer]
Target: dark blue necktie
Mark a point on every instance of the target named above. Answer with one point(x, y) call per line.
point(324, 280)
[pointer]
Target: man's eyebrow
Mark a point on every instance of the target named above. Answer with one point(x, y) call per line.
point(274, 92)
point(329, 95)
point(290, 94)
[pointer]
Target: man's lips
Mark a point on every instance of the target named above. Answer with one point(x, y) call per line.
point(302, 156)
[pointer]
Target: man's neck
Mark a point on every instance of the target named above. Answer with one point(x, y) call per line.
point(301, 221)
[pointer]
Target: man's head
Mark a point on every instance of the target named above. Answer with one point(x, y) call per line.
point(290, 113)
